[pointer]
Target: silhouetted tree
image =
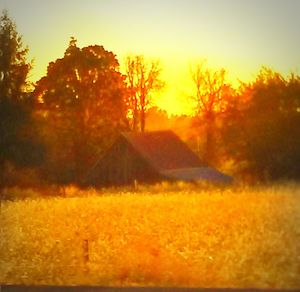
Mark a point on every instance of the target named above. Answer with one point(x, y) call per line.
point(16, 142)
point(263, 132)
point(211, 99)
point(82, 101)
point(13, 65)
point(143, 78)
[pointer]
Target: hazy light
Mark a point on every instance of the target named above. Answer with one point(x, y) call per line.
point(238, 35)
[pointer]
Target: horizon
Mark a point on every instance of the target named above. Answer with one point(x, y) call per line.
point(240, 36)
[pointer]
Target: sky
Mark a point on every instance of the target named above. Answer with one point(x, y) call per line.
point(238, 35)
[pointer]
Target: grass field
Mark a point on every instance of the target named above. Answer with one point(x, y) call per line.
point(164, 235)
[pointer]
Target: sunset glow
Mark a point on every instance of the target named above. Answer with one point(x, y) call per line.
point(239, 36)
point(150, 144)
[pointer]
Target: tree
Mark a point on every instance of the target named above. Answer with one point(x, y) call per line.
point(13, 65)
point(274, 149)
point(17, 146)
point(211, 94)
point(143, 78)
point(266, 127)
point(81, 99)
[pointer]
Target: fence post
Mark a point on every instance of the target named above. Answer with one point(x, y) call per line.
point(86, 255)
point(135, 184)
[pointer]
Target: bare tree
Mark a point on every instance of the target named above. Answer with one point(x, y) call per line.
point(210, 97)
point(143, 78)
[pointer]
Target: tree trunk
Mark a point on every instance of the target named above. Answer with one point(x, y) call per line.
point(135, 120)
point(209, 146)
point(143, 120)
point(135, 115)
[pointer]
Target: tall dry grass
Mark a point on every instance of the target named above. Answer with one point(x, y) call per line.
point(163, 235)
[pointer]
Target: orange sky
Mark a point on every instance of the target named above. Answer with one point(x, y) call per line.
point(239, 35)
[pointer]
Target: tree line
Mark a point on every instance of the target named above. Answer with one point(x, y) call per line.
point(53, 131)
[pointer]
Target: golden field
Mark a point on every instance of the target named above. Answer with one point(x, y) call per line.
point(163, 235)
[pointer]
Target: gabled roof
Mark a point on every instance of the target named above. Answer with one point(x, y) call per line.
point(151, 156)
point(163, 150)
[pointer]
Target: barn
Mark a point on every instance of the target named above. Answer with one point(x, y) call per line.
point(150, 157)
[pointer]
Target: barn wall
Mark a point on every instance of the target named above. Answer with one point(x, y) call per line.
point(122, 165)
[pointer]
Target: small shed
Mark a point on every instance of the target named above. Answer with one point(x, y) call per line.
point(150, 157)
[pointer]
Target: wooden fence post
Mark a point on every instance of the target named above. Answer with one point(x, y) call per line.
point(135, 184)
point(86, 255)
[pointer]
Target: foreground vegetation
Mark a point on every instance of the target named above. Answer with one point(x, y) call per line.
point(165, 235)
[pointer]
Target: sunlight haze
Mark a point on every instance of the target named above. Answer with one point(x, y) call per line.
point(238, 35)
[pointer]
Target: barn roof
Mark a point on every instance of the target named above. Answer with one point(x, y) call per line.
point(163, 150)
point(203, 173)
point(151, 156)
